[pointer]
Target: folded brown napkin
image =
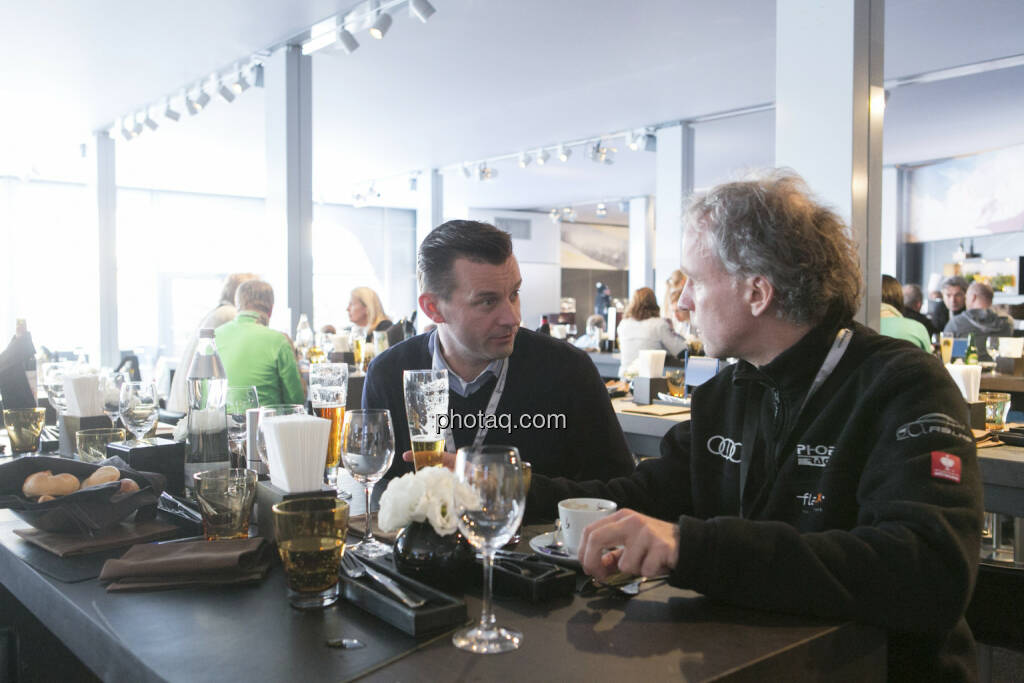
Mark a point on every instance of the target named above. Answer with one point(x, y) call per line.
point(195, 563)
point(124, 534)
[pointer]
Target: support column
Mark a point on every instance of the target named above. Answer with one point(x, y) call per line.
point(289, 116)
point(829, 103)
point(429, 203)
point(673, 184)
point(103, 189)
point(641, 244)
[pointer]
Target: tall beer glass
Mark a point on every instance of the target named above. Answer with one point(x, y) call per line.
point(426, 398)
point(328, 392)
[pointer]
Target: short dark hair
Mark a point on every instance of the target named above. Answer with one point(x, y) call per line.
point(473, 240)
point(955, 281)
point(892, 292)
point(912, 296)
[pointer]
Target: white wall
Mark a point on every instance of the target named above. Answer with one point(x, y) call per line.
point(539, 262)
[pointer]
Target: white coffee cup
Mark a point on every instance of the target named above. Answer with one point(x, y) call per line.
point(576, 513)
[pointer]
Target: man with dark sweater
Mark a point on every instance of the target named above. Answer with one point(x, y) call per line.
point(507, 385)
point(828, 472)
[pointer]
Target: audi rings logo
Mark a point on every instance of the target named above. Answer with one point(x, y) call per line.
point(725, 447)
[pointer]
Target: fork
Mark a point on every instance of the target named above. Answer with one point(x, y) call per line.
point(352, 567)
point(355, 569)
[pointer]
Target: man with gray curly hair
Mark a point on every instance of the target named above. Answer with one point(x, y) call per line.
point(829, 471)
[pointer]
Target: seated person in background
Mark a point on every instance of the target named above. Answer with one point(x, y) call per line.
point(177, 400)
point(980, 320)
point(642, 327)
point(530, 391)
point(953, 291)
point(913, 300)
point(680, 317)
point(367, 313)
point(255, 355)
point(591, 341)
point(808, 479)
point(893, 324)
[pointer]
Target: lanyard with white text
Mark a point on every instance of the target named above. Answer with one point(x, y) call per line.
point(750, 419)
point(492, 406)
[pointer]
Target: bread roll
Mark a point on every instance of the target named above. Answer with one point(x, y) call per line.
point(63, 484)
point(36, 484)
point(45, 498)
point(101, 476)
point(129, 486)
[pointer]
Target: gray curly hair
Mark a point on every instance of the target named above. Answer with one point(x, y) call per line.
point(771, 225)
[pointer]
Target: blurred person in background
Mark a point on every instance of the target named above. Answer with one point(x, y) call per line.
point(954, 293)
point(367, 313)
point(591, 340)
point(913, 300)
point(642, 327)
point(979, 319)
point(255, 355)
point(893, 323)
point(225, 311)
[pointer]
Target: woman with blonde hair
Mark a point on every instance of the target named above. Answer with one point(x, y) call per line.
point(673, 288)
point(367, 313)
point(642, 327)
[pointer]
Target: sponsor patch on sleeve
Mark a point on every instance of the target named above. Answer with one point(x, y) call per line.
point(945, 466)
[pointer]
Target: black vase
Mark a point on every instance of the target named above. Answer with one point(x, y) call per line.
point(438, 560)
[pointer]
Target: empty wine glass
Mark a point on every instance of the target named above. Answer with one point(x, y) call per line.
point(489, 512)
point(237, 401)
point(139, 404)
point(110, 389)
point(992, 346)
point(367, 448)
point(53, 382)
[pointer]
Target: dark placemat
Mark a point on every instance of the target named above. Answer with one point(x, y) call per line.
point(121, 536)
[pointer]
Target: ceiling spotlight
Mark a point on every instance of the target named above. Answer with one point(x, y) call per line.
point(542, 157)
point(524, 160)
point(347, 42)
point(241, 84)
point(467, 172)
point(600, 154)
point(602, 210)
point(555, 215)
point(413, 183)
point(150, 123)
point(125, 133)
point(257, 76)
point(170, 113)
point(190, 106)
point(569, 214)
point(484, 172)
point(203, 99)
point(648, 142)
point(381, 25)
point(421, 9)
point(137, 128)
point(225, 93)
point(564, 153)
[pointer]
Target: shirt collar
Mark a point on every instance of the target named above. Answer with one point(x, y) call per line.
point(793, 370)
point(456, 383)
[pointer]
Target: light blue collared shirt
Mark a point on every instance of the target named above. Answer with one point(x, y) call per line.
point(456, 383)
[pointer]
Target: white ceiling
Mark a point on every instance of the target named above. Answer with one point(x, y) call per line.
point(481, 78)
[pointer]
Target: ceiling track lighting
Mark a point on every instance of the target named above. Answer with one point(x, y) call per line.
point(137, 129)
point(257, 76)
point(601, 210)
point(421, 9)
point(564, 153)
point(542, 157)
point(467, 172)
point(555, 215)
point(346, 42)
point(169, 113)
point(524, 160)
point(380, 26)
point(485, 172)
point(241, 84)
point(150, 123)
point(190, 106)
point(225, 93)
point(125, 133)
point(203, 99)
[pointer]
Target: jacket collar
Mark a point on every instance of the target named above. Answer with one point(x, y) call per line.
point(793, 370)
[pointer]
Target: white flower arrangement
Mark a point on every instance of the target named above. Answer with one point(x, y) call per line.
point(431, 495)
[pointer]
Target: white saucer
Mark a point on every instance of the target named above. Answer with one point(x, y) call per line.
point(538, 544)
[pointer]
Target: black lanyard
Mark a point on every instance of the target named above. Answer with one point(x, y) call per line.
point(751, 418)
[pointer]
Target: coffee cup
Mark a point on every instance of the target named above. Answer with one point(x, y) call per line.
point(575, 514)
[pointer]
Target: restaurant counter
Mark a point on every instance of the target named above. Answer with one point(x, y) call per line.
point(252, 634)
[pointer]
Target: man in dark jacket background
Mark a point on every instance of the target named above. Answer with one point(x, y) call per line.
point(979, 319)
point(828, 472)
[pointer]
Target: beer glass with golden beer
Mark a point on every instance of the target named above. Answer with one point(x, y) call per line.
point(426, 398)
point(328, 392)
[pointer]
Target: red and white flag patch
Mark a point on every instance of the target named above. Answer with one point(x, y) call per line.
point(945, 466)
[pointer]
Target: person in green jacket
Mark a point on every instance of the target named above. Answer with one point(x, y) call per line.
point(255, 355)
point(893, 324)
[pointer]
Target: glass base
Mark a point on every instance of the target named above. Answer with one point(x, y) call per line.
point(487, 641)
point(317, 600)
point(371, 549)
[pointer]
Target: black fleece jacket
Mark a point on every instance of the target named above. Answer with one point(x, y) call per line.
point(866, 506)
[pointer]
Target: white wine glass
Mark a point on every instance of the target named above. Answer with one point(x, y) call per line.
point(992, 346)
point(237, 401)
point(53, 382)
point(110, 389)
point(490, 509)
point(367, 449)
point(139, 405)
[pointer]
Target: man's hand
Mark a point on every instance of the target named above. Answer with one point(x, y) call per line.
point(650, 547)
point(447, 458)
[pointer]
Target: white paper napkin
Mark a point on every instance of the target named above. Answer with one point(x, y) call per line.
point(296, 451)
point(652, 362)
point(968, 379)
point(82, 393)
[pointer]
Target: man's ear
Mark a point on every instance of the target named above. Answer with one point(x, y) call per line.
point(429, 304)
point(760, 294)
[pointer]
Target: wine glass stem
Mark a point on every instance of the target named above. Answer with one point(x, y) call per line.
point(368, 536)
point(487, 611)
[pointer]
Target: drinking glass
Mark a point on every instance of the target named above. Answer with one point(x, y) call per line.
point(237, 401)
point(328, 392)
point(310, 535)
point(139, 404)
point(367, 448)
point(380, 341)
point(23, 429)
point(92, 443)
point(487, 517)
point(53, 382)
point(992, 346)
point(225, 501)
point(110, 388)
point(274, 410)
point(426, 397)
